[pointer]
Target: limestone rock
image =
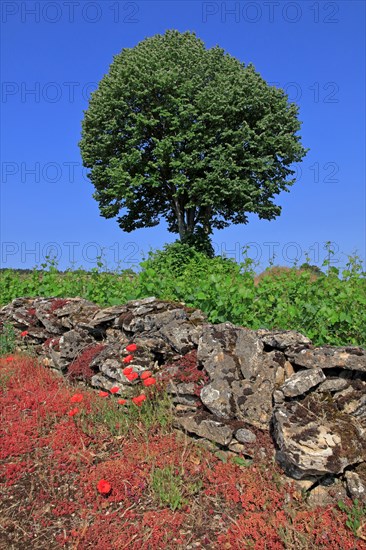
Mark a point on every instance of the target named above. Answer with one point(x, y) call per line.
point(217, 397)
point(302, 382)
point(314, 438)
point(311, 400)
point(73, 343)
point(212, 430)
point(333, 384)
point(355, 487)
point(325, 495)
point(253, 397)
point(327, 357)
point(282, 339)
point(245, 436)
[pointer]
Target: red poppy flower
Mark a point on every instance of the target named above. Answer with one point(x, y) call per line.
point(149, 381)
point(131, 347)
point(115, 389)
point(127, 370)
point(24, 333)
point(103, 394)
point(77, 398)
point(73, 412)
point(122, 401)
point(139, 400)
point(146, 374)
point(128, 359)
point(133, 376)
point(9, 359)
point(104, 487)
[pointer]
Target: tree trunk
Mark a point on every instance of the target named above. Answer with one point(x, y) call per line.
point(180, 219)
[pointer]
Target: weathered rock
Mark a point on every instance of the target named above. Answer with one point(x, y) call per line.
point(289, 369)
point(352, 401)
point(215, 351)
point(282, 339)
point(333, 384)
point(301, 382)
point(253, 397)
point(278, 397)
point(315, 438)
point(237, 447)
point(329, 357)
point(217, 397)
point(212, 430)
point(73, 343)
point(242, 378)
point(356, 484)
point(106, 315)
point(50, 322)
point(325, 495)
point(183, 393)
point(245, 436)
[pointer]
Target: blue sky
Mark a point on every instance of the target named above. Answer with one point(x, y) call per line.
point(55, 53)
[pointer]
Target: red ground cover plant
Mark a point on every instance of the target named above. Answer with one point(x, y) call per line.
point(32, 314)
point(58, 303)
point(70, 482)
point(52, 342)
point(189, 371)
point(80, 367)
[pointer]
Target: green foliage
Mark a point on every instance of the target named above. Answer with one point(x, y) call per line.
point(329, 309)
point(7, 339)
point(188, 134)
point(355, 515)
point(312, 269)
point(173, 259)
point(156, 412)
point(240, 461)
point(168, 487)
point(5, 378)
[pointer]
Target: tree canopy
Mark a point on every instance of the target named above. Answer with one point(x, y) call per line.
point(189, 134)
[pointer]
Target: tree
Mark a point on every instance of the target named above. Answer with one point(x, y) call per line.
point(189, 134)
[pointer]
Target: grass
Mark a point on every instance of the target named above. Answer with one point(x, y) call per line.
point(165, 490)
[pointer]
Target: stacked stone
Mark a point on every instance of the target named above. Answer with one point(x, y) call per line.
point(312, 401)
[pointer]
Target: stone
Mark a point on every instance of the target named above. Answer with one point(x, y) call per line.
point(212, 430)
point(289, 369)
point(352, 401)
point(73, 343)
point(333, 384)
point(314, 438)
point(237, 447)
point(217, 396)
point(301, 382)
point(326, 495)
point(327, 357)
point(280, 376)
point(278, 397)
point(253, 398)
point(282, 339)
point(244, 435)
point(356, 487)
point(310, 400)
point(50, 322)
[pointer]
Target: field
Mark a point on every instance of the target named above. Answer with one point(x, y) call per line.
point(80, 471)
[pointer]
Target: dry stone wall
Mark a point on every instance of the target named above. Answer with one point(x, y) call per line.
point(228, 383)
